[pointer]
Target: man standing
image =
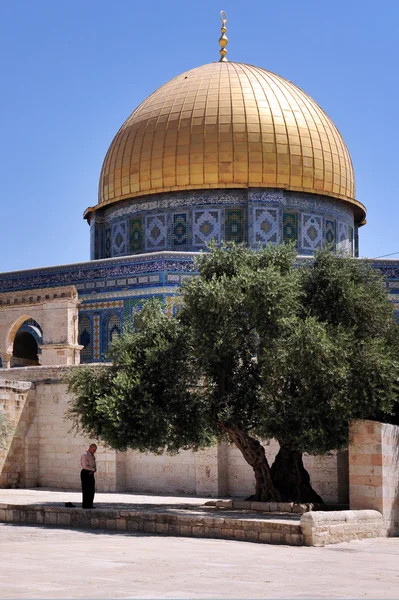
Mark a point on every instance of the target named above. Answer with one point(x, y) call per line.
point(88, 464)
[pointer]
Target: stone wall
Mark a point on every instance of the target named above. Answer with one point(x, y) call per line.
point(374, 470)
point(52, 453)
point(18, 411)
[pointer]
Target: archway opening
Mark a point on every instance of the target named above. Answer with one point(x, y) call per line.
point(26, 348)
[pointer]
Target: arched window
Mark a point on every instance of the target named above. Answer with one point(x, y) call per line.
point(26, 348)
point(85, 339)
point(112, 328)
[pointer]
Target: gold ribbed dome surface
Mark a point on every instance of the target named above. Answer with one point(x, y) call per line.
point(228, 125)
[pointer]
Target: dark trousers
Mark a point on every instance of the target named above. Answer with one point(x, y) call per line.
point(88, 488)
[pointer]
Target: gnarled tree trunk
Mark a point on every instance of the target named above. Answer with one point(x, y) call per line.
point(290, 476)
point(254, 454)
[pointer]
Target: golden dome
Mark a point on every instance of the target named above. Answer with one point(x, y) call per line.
point(227, 125)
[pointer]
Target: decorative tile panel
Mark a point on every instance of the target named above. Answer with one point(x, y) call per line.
point(132, 306)
point(290, 227)
point(172, 305)
point(330, 235)
point(136, 242)
point(343, 236)
point(156, 231)
point(119, 241)
point(234, 225)
point(206, 227)
point(312, 232)
point(180, 230)
point(96, 337)
point(107, 243)
point(266, 226)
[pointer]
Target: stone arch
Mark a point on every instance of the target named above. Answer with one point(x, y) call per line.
point(14, 329)
point(24, 340)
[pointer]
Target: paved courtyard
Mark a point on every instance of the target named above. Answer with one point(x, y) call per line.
point(45, 562)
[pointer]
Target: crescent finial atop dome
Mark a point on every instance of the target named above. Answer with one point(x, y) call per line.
point(223, 38)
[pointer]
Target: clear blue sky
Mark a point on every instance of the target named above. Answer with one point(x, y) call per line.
point(72, 71)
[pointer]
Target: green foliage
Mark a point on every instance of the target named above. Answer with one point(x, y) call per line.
point(259, 345)
point(148, 398)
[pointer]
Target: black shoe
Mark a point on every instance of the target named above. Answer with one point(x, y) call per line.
point(69, 505)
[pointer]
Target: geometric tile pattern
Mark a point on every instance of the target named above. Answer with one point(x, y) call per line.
point(234, 225)
point(206, 227)
point(290, 227)
point(266, 226)
point(156, 232)
point(312, 231)
point(96, 337)
point(131, 307)
point(102, 305)
point(119, 242)
point(107, 243)
point(172, 305)
point(136, 235)
point(343, 236)
point(180, 230)
point(330, 234)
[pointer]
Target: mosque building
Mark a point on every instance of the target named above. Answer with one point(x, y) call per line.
point(223, 152)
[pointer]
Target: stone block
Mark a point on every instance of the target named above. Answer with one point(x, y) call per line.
point(285, 506)
point(63, 519)
point(242, 504)
point(132, 525)
point(224, 503)
point(2, 515)
point(111, 523)
point(95, 523)
point(121, 524)
point(239, 534)
point(265, 538)
point(227, 533)
point(148, 526)
point(251, 535)
point(294, 539)
point(9, 516)
point(185, 530)
point(50, 518)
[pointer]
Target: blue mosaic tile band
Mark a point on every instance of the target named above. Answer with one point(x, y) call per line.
point(206, 216)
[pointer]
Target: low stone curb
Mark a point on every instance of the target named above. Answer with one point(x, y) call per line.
point(320, 528)
point(251, 530)
point(315, 528)
point(282, 507)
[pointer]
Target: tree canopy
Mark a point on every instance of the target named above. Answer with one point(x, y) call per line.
point(262, 347)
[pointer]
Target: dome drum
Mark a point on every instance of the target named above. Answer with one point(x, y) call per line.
point(189, 221)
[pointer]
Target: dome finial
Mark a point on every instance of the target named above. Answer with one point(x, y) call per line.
point(223, 38)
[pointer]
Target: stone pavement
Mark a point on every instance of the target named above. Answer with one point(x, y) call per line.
point(48, 562)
